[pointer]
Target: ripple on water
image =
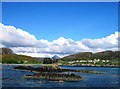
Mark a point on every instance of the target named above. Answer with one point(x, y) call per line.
point(13, 78)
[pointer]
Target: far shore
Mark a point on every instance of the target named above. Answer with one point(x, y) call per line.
point(22, 64)
point(62, 65)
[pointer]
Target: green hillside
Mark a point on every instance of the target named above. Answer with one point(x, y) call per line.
point(105, 55)
point(88, 58)
point(109, 58)
point(82, 55)
point(8, 57)
point(17, 59)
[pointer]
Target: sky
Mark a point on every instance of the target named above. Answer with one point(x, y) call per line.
point(47, 29)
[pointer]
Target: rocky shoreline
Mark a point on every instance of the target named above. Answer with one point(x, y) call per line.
point(92, 65)
point(67, 65)
point(60, 77)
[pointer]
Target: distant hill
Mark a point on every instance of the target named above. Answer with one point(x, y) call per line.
point(109, 55)
point(6, 51)
point(11, 58)
point(8, 57)
point(55, 57)
point(106, 55)
point(82, 55)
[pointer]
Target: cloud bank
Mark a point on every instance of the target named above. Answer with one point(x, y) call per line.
point(25, 43)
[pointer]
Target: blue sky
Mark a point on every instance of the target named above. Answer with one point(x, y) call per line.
point(69, 20)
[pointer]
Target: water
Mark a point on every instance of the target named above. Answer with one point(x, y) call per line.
point(15, 78)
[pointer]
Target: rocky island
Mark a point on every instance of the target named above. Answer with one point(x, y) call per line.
point(54, 76)
point(53, 68)
point(54, 73)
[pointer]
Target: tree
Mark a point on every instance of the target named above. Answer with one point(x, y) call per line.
point(47, 61)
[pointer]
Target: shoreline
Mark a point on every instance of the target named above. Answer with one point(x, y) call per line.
point(65, 65)
point(91, 66)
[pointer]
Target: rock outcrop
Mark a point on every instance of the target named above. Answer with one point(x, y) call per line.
point(6, 51)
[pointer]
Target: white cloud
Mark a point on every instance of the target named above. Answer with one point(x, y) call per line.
point(42, 54)
point(105, 43)
point(12, 37)
point(25, 43)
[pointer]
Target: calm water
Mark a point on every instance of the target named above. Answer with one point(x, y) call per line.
point(14, 78)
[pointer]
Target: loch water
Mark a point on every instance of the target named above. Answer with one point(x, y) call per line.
point(15, 78)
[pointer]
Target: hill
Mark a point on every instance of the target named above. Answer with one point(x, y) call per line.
point(8, 57)
point(105, 55)
point(55, 57)
point(82, 55)
point(6, 51)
